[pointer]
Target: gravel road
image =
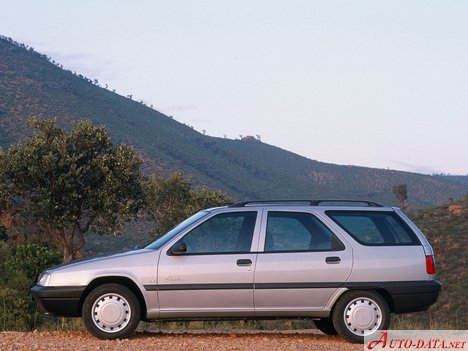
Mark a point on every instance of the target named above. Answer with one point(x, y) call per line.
point(175, 341)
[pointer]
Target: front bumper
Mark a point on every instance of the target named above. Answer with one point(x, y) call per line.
point(63, 301)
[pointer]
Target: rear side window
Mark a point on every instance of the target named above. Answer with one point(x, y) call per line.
point(298, 231)
point(375, 228)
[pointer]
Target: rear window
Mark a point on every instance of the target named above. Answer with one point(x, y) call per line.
point(375, 228)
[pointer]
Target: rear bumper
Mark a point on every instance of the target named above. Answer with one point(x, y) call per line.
point(405, 296)
point(413, 296)
point(59, 301)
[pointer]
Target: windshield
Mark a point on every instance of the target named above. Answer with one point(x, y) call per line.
point(176, 230)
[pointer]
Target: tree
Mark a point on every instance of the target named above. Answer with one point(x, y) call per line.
point(401, 193)
point(3, 186)
point(70, 182)
point(4, 208)
point(171, 200)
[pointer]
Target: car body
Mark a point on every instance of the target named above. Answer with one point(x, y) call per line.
point(346, 264)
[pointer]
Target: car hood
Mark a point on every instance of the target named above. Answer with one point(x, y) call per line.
point(137, 265)
point(94, 260)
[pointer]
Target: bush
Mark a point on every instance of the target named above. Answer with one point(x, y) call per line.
point(17, 275)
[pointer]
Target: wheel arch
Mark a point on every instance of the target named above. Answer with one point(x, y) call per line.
point(381, 291)
point(388, 298)
point(124, 281)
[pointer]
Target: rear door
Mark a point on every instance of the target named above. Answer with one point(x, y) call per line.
point(301, 263)
point(386, 247)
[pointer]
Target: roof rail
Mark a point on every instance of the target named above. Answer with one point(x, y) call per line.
point(307, 202)
point(368, 203)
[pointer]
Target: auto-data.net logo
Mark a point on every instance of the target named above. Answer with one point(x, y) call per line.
point(417, 340)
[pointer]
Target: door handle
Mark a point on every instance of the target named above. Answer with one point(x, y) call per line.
point(244, 262)
point(333, 260)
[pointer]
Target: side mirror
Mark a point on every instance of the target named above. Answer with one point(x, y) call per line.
point(178, 248)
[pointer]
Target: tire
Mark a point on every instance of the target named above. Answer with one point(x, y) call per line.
point(111, 311)
point(325, 325)
point(358, 313)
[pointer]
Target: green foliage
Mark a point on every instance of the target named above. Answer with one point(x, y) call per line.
point(3, 233)
point(5, 251)
point(70, 182)
point(17, 275)
point(206, 198)
point(15, 309)
point(171, 200)
point(31, 259)
point(3, 186)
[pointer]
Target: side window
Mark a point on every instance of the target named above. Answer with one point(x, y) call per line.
point(298, 231)
point(375, 228)
point(223, 233)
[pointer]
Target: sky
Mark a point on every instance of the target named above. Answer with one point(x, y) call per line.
point(371, 83)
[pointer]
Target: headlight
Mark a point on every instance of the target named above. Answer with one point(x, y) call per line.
point(43, 279)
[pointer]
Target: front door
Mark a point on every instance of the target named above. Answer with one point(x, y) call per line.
point(212, 272)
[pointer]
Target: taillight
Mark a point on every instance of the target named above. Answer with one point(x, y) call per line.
point(430, 265)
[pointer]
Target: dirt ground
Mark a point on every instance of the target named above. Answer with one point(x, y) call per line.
point(176, 341)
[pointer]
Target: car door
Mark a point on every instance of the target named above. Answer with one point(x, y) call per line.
point(301, 264)
point(210, 270)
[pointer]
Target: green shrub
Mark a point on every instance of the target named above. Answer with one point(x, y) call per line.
point(17, 275)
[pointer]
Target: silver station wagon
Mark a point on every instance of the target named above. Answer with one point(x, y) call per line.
point(346, 264)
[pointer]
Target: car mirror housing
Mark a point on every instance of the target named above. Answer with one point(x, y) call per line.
point(178, 248)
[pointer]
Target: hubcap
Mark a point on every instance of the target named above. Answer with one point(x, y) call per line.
point(363, 316)
point(111, 313)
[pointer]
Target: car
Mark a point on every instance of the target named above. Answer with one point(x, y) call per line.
point(346, 264)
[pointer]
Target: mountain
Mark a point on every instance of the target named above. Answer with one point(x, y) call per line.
point(456, 178)
point(31, 83)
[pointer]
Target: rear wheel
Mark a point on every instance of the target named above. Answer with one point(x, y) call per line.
point(111, 311)
point(359, 313)
point(325, 325)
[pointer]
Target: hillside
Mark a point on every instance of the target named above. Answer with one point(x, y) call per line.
point(457, 179)
point(446, 228)
point(31, 84)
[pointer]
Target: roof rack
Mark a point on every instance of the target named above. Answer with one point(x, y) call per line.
point(307, 202)
point(368, 203)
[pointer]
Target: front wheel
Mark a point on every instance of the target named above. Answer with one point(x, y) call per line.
point(111, 311)
point(359, 313)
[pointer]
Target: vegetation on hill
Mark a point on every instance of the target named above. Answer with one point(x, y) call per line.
point(446, 228)
point(457, 179)
point(170, 201)
point(31, 83)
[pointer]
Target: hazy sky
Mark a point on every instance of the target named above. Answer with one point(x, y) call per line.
point(371, 83)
